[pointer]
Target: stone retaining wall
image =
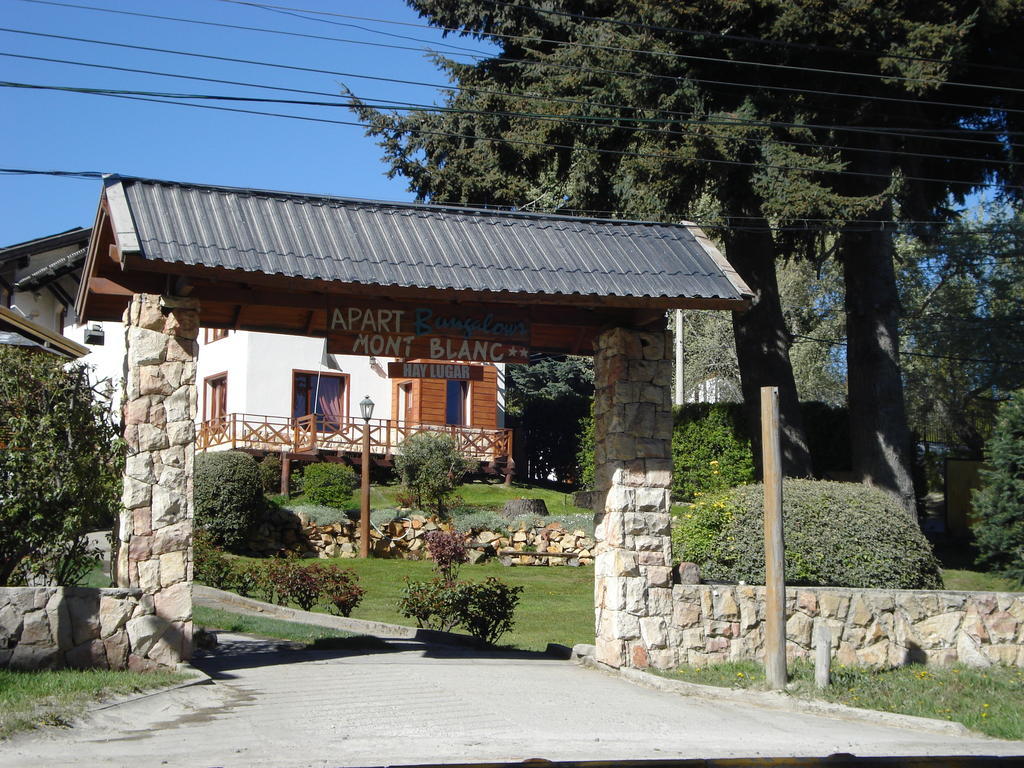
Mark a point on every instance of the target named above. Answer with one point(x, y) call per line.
point(874, 627)
point(81, 627)
point(283, 530)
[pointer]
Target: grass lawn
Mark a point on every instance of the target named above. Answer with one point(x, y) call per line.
point(987, 700)
point(321, 638)
point(556, 605)
point(976, 581)
point(475, 494)
point(33, 699)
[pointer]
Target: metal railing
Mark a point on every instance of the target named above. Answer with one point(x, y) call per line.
point(309, 434)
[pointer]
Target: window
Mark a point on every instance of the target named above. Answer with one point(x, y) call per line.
point(325, 394)
point(215, 397)
point(456, 406)
point(211, 335)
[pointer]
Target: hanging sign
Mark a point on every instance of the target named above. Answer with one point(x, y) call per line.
point(436, 371)
point(428, 331)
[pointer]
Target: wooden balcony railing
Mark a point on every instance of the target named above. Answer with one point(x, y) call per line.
point(309, 434)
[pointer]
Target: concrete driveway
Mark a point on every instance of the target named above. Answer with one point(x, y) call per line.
point(411, 703)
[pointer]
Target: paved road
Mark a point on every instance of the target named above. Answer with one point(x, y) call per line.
point(411, 703)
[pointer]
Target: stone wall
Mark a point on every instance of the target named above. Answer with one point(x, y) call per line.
point(79, 627)
point(155, 532)
point(633, 472)
point(873, 627)
point(284, 531)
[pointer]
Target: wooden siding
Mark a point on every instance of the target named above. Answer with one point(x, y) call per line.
point(428, 399)
point(484, 400)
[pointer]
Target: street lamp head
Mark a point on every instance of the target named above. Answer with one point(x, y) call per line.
point(366, 408)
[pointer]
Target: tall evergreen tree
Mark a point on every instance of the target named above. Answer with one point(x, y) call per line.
point(646, 109)
point(999, 531)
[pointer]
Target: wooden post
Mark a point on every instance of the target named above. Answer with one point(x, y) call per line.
point(774, 551)
point(364, 506)
point(286, 473)
point(822, 654)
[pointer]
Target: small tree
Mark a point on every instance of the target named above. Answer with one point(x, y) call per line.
point(431, 466)
point(329, 484)
point(999, 505)
point(60, 466)
point(228, 496)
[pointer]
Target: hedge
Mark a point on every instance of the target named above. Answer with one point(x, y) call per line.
point(836, 534)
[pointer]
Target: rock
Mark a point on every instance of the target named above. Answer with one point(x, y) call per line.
point(84, 614)
point(686, 573)
point(969, 652)
point(116, 648)
point(35, 629)
point(143, 632)
point(938, 631)
point(88, 655)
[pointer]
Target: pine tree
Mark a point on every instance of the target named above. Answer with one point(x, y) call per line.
point(999, 505)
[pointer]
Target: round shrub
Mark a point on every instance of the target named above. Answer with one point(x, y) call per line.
point(836, 534)
point(270, 473)
point(329, 483)
point(228, 496)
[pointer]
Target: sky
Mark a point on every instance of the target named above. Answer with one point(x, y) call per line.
point(52, 130)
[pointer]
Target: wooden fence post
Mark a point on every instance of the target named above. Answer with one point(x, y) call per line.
point(774, 551)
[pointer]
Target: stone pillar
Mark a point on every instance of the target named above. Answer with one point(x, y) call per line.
point(633, 473)
point(155, 553)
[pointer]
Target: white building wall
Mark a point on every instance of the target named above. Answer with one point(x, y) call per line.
point(260, 368)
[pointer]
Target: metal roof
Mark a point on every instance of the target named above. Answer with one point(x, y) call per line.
point(78, 235)
point(414, 245)
point(58, 267)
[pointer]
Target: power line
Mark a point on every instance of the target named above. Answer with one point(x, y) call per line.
point(615, 48)
point(841, 343)
point(578, 120)
point(580, 148)
point(566, 67)
point(865, 130)
point(744, 38)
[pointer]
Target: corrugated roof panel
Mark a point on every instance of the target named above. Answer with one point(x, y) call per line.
point(409, 245)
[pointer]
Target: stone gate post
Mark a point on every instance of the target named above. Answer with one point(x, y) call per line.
point(633, 473)
point(155, 532)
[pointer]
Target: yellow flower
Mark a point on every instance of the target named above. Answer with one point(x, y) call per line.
point(740, 674)
point(714, 463)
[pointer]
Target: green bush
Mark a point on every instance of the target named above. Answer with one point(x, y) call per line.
point(270, 473)
point(228, 496)
point(710, 450)
point(585, 455)
point(487, 610)
point(836, 534)
point(433, 604)
point(430, 465)
point(999, 505)
point(329, 483)
point(60, 467)
point(339, 588)
point(212, 566)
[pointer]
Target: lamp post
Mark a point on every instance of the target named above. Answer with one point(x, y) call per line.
point(366, 409)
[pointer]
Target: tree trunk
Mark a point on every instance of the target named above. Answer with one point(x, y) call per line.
point(516, 507)
point(879, 436)
point(762, 349)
